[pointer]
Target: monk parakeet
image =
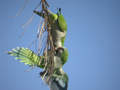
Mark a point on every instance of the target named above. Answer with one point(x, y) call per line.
point(58, 26)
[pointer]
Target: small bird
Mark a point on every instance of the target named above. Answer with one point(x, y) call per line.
point(58, 26)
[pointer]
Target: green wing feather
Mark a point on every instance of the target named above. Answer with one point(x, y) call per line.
point(64, 56)
point(27, 56)
point(62, 23)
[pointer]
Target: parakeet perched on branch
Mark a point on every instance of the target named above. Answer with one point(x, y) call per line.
point(58, 26)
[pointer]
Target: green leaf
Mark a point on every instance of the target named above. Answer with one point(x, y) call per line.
point(27, 56)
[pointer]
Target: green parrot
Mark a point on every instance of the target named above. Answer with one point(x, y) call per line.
point(58, 26)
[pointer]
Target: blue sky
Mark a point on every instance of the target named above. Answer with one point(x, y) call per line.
point(93, 41)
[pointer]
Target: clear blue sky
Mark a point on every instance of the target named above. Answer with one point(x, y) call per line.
point(93, 41)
